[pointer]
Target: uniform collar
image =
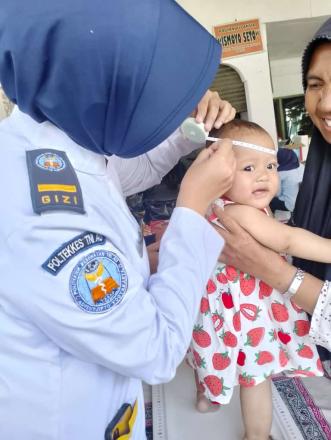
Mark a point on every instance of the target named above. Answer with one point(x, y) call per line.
point(47, 135)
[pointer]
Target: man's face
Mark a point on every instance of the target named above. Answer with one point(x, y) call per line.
point(318, 93)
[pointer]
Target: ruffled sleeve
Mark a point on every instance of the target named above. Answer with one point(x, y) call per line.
point(320, 330)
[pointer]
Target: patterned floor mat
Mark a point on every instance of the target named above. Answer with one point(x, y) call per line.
point(302, 409)
point(149, 420)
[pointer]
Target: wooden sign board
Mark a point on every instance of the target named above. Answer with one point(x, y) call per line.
point(239, 38)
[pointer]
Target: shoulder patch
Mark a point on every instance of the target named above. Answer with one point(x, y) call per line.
point(70, 249)
point(98, 282)
point(53, 182)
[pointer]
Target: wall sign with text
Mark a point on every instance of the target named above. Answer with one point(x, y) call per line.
point(239, 38)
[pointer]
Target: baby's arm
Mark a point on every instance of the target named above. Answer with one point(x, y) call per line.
point(280, 237)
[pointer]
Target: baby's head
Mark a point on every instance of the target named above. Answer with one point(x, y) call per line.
point(256, 180)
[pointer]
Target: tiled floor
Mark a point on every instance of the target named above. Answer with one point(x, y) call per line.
point(176, 413)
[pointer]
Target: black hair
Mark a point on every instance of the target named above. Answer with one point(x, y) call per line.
point(237, 125)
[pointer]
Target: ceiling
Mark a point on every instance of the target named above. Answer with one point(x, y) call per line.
point(287, 39)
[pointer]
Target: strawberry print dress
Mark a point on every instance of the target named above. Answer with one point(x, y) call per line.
point(245, 332)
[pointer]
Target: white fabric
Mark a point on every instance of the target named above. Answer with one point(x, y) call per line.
point(320, 330)
point(246, 145)
point(289, 186)
point(64, 373)
point(140, 173)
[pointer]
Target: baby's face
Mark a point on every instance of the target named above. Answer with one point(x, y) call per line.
point(256, 179)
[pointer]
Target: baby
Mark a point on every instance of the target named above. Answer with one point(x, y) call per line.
point(246, 331)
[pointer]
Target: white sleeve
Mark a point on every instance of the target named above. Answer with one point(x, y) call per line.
point(142, 172)
point(320, 327)
point(147, 333)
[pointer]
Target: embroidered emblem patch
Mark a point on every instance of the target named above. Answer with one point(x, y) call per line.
point(98, 282)
point(54, 184)
point(70, 249)
point(50, 162)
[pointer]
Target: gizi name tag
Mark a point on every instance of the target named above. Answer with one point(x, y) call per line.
point(53, 182)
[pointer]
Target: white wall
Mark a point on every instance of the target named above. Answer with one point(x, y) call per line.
point(320, 7)
point(254, 72)
point(286, 77)
point(212, 12)
point(254, 69)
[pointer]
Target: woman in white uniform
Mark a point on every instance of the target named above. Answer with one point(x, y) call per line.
point(82, 320)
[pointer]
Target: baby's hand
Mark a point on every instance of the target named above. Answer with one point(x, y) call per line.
point(209, 177)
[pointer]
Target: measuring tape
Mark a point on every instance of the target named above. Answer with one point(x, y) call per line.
point(159, 413)
point(196, 133)
point(246, 145)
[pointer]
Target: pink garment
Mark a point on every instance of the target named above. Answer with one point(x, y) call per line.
point(245, 332)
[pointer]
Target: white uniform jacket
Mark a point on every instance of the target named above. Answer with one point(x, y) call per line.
point(82, 322)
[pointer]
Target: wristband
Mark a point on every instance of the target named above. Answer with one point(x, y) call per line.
point(295, 284)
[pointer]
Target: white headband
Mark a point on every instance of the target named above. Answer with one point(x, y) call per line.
point(247, 145)
point(196, 133)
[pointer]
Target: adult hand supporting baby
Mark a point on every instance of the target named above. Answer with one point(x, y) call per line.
point(213, 111)
point(245, 253)
point(209, 176)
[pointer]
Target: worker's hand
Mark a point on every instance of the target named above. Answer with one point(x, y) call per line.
point(209, 177)
point(213, 111)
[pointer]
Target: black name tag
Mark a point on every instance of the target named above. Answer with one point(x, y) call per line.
point(53, 182)
point(70, 249)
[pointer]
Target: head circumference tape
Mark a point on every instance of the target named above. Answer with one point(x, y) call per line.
point(195, 132)
point(247, 145)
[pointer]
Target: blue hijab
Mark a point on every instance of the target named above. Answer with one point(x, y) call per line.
point(117, 76)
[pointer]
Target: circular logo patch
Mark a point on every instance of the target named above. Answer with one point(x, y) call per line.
point(50, 162)
point(98, 282)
